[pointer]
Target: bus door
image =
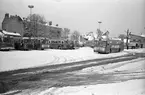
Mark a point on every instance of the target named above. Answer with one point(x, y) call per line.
point(27, 44)
point(108, 47)
point(45, 44)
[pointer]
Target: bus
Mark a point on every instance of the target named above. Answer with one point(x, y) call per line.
point(45, 43)
point(61, 44)
point(108, 46)
point(6, 43)
point(32, 43)
point(7, 40)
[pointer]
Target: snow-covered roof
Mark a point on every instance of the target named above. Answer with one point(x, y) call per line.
point(115, 38)
point(10, 33)
point(143, 35)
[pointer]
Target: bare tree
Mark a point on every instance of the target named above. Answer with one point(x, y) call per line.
point(33, 24)
point(65, 32)
point(122, 36)
point(99, 34)
point(37, 18)
point(75, 36)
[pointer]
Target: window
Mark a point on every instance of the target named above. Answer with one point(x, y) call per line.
point(134, 40)
point(0, 39)
point(6, 39)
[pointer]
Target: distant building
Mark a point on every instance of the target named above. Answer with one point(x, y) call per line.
point(139, 41)
point(13, 24)
point(53, 32)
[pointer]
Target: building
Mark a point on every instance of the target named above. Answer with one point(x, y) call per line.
point(137, 41)
point(30, 28)
point(13, 24)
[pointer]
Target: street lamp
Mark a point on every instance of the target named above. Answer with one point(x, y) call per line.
point(30, 6)
point(99, 24)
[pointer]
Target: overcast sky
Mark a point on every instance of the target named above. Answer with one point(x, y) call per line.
point(83, 15)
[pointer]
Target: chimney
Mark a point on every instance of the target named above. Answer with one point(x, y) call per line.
point(7, 15)
point(50, 23)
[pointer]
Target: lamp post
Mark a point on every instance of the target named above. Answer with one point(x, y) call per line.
point(99, 24)
point(30, 6)
point(31, 22)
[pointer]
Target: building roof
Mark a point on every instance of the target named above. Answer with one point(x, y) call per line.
point(137, 35)
point(143, 35)
point(10, 33)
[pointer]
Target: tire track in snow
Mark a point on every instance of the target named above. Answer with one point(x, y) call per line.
point(79, 66)
point(56, 59)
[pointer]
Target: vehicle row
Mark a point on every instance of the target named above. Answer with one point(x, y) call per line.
point(27, 43)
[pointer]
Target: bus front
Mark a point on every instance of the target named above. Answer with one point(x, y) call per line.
point(100, 46)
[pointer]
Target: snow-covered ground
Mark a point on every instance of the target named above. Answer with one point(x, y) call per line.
point(130, 87)
point(24, 59)
point(141, 50)
point(10, 60)
point(136, 65)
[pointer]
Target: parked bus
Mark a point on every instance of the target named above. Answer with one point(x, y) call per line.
point(45, 43)
point(7, 40)
point(108, 46)
point(61, 44)
point(32, 43)
point(6, 43)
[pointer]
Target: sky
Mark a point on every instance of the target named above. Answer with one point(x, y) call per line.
point(83, 15)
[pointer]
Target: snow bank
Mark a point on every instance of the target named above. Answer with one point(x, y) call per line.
point(136, 65)
point(132, 87)
point(140, 50)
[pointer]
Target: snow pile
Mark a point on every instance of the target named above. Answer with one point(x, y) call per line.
point(136, 65)
point(132, 87)
point(140, 50)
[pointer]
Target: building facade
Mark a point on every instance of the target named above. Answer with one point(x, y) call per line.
point(13, 24)
point(137, 41)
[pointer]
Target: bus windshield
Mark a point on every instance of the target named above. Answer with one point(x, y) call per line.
point(102, 43)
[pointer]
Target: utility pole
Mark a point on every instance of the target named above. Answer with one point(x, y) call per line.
point(127, 38)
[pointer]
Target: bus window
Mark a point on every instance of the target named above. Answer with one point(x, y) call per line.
point(102, 43)
point(6, 39)
point(0, 39)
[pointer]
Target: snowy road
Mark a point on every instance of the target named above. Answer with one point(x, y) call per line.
point(63, 77)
